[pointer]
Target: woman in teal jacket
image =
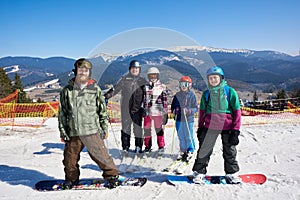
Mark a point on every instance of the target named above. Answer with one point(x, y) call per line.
point(219, 114)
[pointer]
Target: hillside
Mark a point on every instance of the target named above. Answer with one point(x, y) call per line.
point(245, 69)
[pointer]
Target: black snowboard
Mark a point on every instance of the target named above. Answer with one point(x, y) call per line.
point(88, 184)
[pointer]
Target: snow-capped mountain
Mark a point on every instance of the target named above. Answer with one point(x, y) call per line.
point(260, 69)
point(242, 52)
point(208, 49)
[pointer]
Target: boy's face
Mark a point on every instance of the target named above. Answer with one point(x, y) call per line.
point(214, 80)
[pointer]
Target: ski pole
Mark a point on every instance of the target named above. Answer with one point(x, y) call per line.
point(115, 137)
point(172, 149)
point(187, 125)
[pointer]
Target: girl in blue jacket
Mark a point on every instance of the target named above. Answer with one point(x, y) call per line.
point(184, 106)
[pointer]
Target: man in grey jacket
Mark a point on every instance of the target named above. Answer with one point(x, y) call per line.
point(132, 87)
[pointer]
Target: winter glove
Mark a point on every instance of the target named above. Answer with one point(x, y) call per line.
point(64, 137)
point(187, 111)
point(176, 111)
point(106, 102)
point(165, 119)
point(144, 112)
point(234, 137)
point(104, 135)
point(199, 131)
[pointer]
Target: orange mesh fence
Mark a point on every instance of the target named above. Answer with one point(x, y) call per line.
point(12, 98)
point(250, 116)
point(27, 114)
point(256, 116)
point(35, 114)
point(252, 112)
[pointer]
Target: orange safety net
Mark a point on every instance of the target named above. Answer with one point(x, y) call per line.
point(35, 114)
point(25, 114)
point(12, 98)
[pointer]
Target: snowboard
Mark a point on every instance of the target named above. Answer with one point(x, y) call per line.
point(87, 184)
point(209, 180)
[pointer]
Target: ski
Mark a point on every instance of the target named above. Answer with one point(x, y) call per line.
point(172, 166)
point(126, 161)
point(182, 167)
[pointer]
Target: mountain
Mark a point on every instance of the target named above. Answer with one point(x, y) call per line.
point(34, 70)
point(244, 69)
point(265, 70)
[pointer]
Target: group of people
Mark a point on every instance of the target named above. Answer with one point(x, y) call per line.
point(83, 119)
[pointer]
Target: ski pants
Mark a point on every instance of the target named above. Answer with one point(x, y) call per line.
point(185, 135)
point(207, 139)
point(127, 121)
point(97, 151)
point(158, 130)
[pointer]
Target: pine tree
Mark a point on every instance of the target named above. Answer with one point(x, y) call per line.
point(296, 93)
point(18, 86)
point(255, 97)
point(281, 94)
point(5, 84)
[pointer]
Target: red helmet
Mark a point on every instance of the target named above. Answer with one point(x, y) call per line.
point(186, 79)
point(185, 82)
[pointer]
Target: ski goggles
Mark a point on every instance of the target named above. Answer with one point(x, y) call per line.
point(85, 64)
point(184, 84)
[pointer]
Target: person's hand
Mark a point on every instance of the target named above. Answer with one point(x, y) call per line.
point(104, 135)
point(106, 102)
point(187, 111)
point(64, 138)
point(234, 137)
point(199, 131)
point(176, 111)
point(145, 112)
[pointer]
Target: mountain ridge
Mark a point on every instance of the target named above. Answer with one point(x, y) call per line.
point(265, 70)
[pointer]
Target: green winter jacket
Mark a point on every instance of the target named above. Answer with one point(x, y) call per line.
point(218, 113)
point(82, 112)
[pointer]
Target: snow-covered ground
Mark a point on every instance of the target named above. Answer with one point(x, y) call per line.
point(28, 155)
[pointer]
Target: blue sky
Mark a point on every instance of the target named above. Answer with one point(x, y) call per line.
point(72, 28)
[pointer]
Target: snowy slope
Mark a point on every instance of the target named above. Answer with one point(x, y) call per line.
point(28, 155)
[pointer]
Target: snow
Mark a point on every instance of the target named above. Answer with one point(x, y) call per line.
point(209, 49)
point(32, 154)
point(13, 69)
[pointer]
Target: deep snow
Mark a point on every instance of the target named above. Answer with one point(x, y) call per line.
point(28, 155)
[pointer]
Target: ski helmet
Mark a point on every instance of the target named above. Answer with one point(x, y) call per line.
point(186, 79)
point(215, 70)
point(134, 63)
point(186, 82)
point(153, 70)
point(81, 63)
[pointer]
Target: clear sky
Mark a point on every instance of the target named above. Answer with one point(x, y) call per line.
point(72, 28)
